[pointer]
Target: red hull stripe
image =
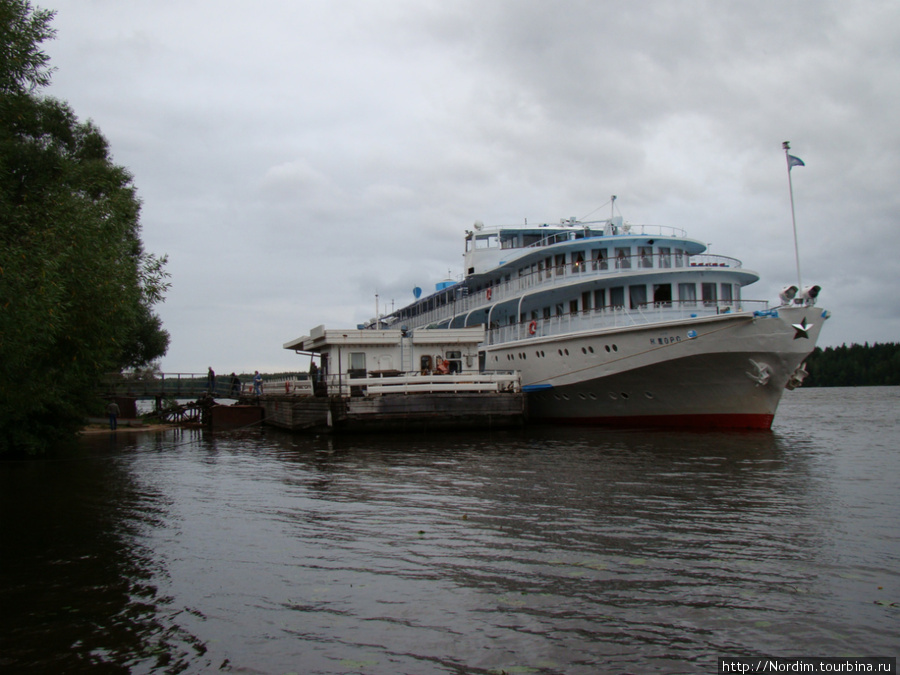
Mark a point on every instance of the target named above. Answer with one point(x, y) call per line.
point(705, 421)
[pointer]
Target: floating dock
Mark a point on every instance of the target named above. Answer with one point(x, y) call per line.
point(394, 379)
point(401, 403)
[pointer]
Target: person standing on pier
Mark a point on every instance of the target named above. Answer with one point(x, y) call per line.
point(257, 383)
point(113, 410)
point(211, 381)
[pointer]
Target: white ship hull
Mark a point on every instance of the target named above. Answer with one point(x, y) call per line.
point(726, 371)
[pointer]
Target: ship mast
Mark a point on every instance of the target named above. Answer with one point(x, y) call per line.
point(791, 163)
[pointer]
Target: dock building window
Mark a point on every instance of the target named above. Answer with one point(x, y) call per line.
point(454, 359)
point(357, 366)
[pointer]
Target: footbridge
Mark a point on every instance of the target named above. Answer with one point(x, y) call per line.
point(192, 386)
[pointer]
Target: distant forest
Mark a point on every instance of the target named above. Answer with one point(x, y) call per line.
point(854, 366)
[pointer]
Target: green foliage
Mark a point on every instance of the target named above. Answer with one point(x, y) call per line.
point(854, 366)
point(76, 287)
point(23, 66)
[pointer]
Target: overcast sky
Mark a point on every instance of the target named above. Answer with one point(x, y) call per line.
point(296, 157)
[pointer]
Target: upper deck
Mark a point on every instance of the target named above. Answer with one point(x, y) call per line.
point(489, 249)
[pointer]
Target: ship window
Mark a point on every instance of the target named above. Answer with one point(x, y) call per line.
point(662, 293)
point(486, 241)
point(546, 312)
point(679, 258)
point(600, 298)
point(709, 294)
point(573, 306)
point(560, 264)
point(623, 258)
point(727, 293)
point(577, 262)
point(665, 256)
point(645, 254)
point(560, 309)
point(598, 256)
point(617, 296)
point(637, 296)
point(586, 301)
point(687, 294)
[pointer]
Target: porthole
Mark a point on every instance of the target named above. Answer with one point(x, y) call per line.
point(592, 396)
point(583, 350)
point(565, 397)
point(615, 348)
point(591, 350)
point(648, 394)
point(624, 395)
point(582, 397)
point(607, 347)
point(560, 351)
point(613, 396)
point(566, 351)
point(537, 354)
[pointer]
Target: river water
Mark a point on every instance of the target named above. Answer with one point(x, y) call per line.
point(544, 550)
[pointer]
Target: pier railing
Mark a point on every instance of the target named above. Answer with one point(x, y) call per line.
point(194, 385)
point(416, 383)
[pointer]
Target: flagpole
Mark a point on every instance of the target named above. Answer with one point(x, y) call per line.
point(787, 146)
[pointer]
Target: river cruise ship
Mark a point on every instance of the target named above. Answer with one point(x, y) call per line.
point(619, 324)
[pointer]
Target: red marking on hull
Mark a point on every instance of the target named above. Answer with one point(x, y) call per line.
point(699, 422)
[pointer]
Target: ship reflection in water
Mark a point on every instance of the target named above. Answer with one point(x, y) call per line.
point(544, 550)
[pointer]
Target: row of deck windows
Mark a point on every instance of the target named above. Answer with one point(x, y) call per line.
point(637, 296)
point(598, 259)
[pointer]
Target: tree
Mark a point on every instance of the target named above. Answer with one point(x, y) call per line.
point(77, 288)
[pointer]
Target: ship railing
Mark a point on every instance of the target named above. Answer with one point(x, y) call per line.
point(563, 274)
point(416, 383)
point(619, 317)
point(604, 229)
